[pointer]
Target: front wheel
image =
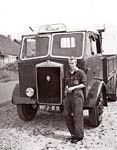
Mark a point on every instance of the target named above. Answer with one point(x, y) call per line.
point(26, 112)
point(95, 113)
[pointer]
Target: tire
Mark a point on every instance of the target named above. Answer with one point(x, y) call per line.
point(26, 112)
point(95, 113)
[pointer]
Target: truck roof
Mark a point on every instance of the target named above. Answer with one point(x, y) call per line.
point(61, 28)
point(71, 31)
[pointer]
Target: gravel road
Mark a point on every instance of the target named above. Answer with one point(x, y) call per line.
point(48, 131)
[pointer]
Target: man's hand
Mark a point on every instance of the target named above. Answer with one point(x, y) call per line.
point(80, 86)
point(70, 89)
point(66, 90)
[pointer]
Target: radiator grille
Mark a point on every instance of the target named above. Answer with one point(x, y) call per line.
point(48, 84)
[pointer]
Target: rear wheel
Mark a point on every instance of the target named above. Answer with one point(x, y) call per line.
point(95, 113)
point(26, 112)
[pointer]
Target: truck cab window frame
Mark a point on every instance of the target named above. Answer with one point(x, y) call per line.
point(68, 44)
point(38, 48)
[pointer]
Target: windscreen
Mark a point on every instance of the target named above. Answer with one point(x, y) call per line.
point(70, 44)
point(35, 47)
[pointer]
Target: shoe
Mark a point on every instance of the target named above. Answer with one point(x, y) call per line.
point(75, 139)
point(70, 138)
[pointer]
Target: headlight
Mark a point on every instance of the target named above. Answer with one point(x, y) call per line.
point(29, 92)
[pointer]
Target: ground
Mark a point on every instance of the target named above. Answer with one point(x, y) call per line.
point(48, 131)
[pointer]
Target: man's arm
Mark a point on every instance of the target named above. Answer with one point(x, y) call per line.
point(83, 82)
point(80, 86)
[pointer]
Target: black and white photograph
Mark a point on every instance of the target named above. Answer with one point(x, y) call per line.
point(58, 75)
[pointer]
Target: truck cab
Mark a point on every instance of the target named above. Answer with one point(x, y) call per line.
point(43, 67)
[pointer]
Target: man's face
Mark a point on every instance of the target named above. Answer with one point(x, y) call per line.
point(72, 64)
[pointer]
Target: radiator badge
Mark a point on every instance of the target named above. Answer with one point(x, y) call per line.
point(48, 78)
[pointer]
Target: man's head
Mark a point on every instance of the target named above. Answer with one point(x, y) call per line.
point(72, 62)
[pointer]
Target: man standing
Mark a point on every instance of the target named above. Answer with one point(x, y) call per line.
point(73, 104)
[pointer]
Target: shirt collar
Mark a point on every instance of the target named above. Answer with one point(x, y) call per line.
point(72, 72)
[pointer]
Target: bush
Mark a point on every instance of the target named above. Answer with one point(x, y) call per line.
point(4, 75)
point(9, 72)
point(11, 67)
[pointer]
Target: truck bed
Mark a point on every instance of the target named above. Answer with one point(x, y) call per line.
point(110, 75)
point(109, 66)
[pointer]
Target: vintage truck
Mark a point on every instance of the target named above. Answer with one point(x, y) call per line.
point(43, 66)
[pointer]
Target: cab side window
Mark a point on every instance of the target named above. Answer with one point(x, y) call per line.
point(93, 43)
point(88, 46)
point(93, 47)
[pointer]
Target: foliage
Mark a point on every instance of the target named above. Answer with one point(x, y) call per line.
point(9, 72)
point(11, 67)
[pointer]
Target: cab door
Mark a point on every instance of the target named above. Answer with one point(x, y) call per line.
point(94, 68)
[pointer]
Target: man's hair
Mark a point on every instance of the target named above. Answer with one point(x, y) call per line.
point(72, 59)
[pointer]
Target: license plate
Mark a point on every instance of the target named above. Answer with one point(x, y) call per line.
point(50, 108)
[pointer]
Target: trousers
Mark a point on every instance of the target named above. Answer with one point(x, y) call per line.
point(73, 111)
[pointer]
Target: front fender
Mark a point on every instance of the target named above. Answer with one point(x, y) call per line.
point(92, 92)
point(16, 99)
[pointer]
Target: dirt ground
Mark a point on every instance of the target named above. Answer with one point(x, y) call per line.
point(48, 131)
